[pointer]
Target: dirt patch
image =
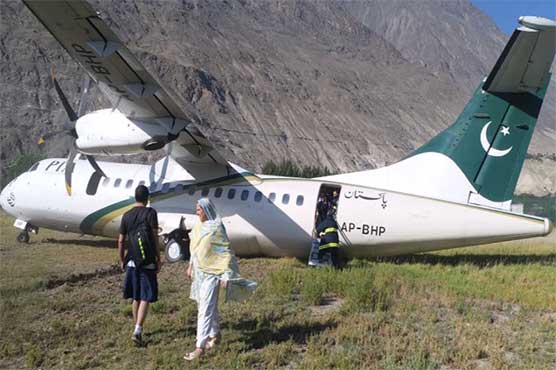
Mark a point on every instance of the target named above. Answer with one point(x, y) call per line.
point(75, 279)
point(328, 304)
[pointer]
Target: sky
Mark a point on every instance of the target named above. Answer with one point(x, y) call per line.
point(506, 12)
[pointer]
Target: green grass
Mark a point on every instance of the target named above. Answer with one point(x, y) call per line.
point(493, 306)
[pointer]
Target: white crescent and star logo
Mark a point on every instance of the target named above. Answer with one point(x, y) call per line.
point(505, 130)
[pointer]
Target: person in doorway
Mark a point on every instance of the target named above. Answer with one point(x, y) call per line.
point(333, 203)
point(329, 240)
point(140, 257)
point(322, 208)
point(212, 267)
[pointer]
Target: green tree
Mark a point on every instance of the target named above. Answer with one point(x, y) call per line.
point(291, 169)
point(17, 167)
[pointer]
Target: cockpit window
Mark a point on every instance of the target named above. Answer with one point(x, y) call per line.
point(34, 167)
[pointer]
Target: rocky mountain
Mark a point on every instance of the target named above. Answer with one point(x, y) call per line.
point(350, 85)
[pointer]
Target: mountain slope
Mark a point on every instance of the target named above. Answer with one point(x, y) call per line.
point(308, 81)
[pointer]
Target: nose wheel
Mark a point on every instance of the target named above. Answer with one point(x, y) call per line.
point(26, 228)
point(23, 237)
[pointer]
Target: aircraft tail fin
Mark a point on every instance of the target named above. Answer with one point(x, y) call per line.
point(489, 140)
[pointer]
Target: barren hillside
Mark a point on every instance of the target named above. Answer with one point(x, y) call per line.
point(343, 84)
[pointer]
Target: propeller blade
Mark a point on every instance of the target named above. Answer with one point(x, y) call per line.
point(43, 138)
point(70, 164)
point(83, 100)
point(71, 113)
point(95, 165)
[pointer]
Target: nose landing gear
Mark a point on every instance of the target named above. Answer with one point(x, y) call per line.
point(23, 237)
point(26, 228)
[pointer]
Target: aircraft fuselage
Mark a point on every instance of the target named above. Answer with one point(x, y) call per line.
point(264, 215)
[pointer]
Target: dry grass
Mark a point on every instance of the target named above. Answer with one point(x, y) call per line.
point(491, 307)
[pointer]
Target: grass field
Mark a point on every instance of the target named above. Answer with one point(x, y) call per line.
point(490, 307)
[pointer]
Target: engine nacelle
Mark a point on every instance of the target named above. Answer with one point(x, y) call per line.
point(109, 132)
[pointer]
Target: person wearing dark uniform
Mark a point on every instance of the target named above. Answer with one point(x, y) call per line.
point(322, 209)
point(333, 203)
point(329, 240)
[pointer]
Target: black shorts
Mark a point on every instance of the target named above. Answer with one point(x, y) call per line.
point(140, 284)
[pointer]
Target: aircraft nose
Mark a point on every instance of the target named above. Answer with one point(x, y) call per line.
point(3, 199)
point(7, 198)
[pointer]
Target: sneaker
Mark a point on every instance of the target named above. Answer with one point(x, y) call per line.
point(136, 338)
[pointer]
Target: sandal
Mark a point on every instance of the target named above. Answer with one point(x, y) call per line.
point(193, 355)
point(213, 341)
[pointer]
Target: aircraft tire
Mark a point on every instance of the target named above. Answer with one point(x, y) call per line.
point(173, 251)
point(23, 237)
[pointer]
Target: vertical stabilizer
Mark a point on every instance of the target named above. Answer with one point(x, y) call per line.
point(489, 140)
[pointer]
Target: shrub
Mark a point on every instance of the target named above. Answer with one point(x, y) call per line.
point(280, 283)
point(368, 293)
point(312, 290)
point(34, 357)
point(291, 169)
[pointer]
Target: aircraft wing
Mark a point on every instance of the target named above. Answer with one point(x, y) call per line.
point(525, 62)
point(127, 84)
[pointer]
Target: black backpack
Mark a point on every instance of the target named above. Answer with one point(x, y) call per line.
point(142, 249)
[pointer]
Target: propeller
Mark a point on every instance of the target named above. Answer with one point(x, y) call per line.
point(70, 130)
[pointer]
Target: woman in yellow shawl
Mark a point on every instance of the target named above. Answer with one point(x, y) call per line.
point(212, 265)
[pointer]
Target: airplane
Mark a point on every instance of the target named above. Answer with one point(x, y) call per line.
point(454, 191)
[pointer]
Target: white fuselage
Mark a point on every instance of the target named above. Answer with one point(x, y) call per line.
point(277, 222)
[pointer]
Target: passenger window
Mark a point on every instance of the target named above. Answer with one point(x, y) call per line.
point(299, 200)
point(205, 192)
point(117, 183)
point(105, 181)
point(142, 182)
point(231, 193)
point(244, 195)
point(258, 196)
point(218, 193)
point(271, 197)
point(179, 188)
point(166, 187)
point(286, 199)
point(128, 184)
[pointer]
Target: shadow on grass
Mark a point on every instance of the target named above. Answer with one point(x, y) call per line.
point(256, 337)
point(102, 243)
point(479, 260)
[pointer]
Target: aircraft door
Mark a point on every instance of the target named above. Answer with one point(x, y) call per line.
point(327, 205)
point(327, 202)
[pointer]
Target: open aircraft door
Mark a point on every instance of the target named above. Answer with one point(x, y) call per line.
point(328, 202)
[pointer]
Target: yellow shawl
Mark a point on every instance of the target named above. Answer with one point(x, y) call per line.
point(211, 247)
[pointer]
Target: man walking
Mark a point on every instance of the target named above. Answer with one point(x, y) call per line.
point(142, 261)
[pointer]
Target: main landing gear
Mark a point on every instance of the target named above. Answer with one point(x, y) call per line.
point(176, 244)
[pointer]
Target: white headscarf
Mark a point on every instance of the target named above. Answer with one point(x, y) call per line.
point(213, 218)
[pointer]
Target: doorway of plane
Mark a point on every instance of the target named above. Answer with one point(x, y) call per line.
point(327, 205)
point(327, 202)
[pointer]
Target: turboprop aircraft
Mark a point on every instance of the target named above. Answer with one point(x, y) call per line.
point(454, 191)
